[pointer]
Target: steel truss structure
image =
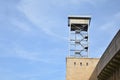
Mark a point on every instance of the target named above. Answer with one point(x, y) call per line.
point(78, 36)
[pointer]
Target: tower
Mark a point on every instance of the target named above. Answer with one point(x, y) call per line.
point(78, 35)
point(78, 64)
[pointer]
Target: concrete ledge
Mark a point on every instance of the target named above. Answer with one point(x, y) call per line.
point(109, 61)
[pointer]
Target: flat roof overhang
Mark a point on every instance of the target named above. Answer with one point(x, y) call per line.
point(79, 17)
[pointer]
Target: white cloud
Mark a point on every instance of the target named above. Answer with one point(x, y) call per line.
point(30, 56)
point(76, 2)
point(46, 16)
point(26, 55)
point(38, 14)
point(117, 16)
point(111, 26)
point(43, 56)
point(107, 26)
point(21, 25)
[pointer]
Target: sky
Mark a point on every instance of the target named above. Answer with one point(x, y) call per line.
point(34, 35)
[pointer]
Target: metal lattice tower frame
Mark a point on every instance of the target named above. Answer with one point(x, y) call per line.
point(78, 35)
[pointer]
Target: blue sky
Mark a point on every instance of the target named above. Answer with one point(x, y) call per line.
point(33, 35)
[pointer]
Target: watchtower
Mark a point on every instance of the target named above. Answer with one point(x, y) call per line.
point(78, 64)
point(78, 35)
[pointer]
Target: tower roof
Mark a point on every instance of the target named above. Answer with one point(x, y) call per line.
point(79, 17)
point(82, 22)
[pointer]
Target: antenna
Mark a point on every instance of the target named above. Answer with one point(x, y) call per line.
point(78, 35)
